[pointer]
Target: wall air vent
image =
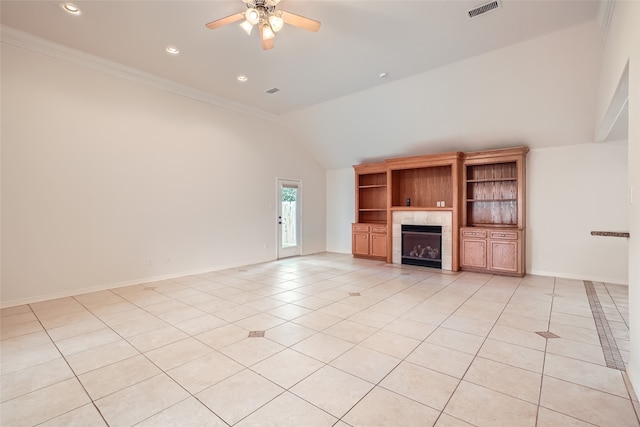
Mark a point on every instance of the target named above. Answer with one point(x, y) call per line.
point(487, 7)
point(274, 90)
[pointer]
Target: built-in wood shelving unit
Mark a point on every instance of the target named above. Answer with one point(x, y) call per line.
point(493, 218)
point(484, 191)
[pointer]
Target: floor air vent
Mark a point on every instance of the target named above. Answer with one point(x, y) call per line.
point(487, 7)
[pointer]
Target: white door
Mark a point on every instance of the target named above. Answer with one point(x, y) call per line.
point(289, 242)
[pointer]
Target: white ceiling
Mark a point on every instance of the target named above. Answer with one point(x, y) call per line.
point(357, 41)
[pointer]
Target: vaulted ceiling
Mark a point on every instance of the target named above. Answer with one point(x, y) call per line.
point(357, 41)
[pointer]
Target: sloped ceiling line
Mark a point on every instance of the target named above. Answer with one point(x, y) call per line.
point(12, 37)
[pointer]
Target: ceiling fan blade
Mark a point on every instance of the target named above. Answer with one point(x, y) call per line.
point(300, 21)
point(267, 44)
point(224, 21)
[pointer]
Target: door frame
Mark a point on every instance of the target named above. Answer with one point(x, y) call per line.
point(279, 249)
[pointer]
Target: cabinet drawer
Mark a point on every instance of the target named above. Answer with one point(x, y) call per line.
point(380, 229)
point(362, 228)
point(474, 233)
point(504, 235)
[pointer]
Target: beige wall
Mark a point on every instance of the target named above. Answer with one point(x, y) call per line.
point(622, 48)
point(572, 191)
point(100, 174)
point(540, 92)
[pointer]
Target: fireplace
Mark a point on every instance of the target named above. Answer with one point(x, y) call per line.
point(422, 245)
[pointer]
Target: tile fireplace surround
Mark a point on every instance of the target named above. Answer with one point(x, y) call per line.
point(442, 218)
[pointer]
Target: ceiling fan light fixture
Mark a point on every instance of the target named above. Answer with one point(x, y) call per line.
point(252, 16)
point(276, 22)
point(247, 27)
point(263, 15)
point(267, 32)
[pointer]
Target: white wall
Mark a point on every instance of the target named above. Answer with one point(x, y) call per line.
point(539, 93)
point(341, 210)
point(623, 47)
point(99, 174)
point(572, 191)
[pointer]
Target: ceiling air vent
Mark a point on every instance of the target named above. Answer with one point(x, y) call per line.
point(274, 90)
point(487, 7)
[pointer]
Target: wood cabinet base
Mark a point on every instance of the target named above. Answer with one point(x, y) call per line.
point(369, 241)
point(492, 250)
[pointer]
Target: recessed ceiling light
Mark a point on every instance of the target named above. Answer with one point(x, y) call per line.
point(71, 8)
point(172, 50)
point(242, 78)
point(383, 75)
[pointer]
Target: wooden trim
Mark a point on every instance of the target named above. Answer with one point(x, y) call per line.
point(425, 161)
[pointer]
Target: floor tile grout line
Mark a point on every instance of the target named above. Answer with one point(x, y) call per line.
point(378, 384)
point(544, 355)
point(543, 376)
point(617, 359)
point(249, 367)
point(325, 364)
point(616, 304)
point(609, 347)
point(381, 328)
point(75, 375)
point(403, 360)
point(140, 353)
point(483, 341)
point(439, 325)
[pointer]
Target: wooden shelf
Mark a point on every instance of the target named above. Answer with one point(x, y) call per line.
point(496, 225)
point(420, 208)
point(362, 187)
point(492, 200)
point(491, 180)
point(372, 210)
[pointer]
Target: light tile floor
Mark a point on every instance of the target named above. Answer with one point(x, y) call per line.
point(347, 342)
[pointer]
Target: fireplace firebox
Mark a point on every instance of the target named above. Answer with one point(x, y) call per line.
point(422, 245)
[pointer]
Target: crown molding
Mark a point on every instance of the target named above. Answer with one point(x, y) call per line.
point(605, 11)
point(13, 37)
point(617, 107)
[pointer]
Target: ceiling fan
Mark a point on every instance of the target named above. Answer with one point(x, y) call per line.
point(263, 14)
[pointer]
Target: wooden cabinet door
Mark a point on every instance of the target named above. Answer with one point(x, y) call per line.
point(378, 245)
point(504, 256)
point(360, 243)
point(473, 253)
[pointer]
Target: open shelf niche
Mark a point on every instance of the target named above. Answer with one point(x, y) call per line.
point(424, 182)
